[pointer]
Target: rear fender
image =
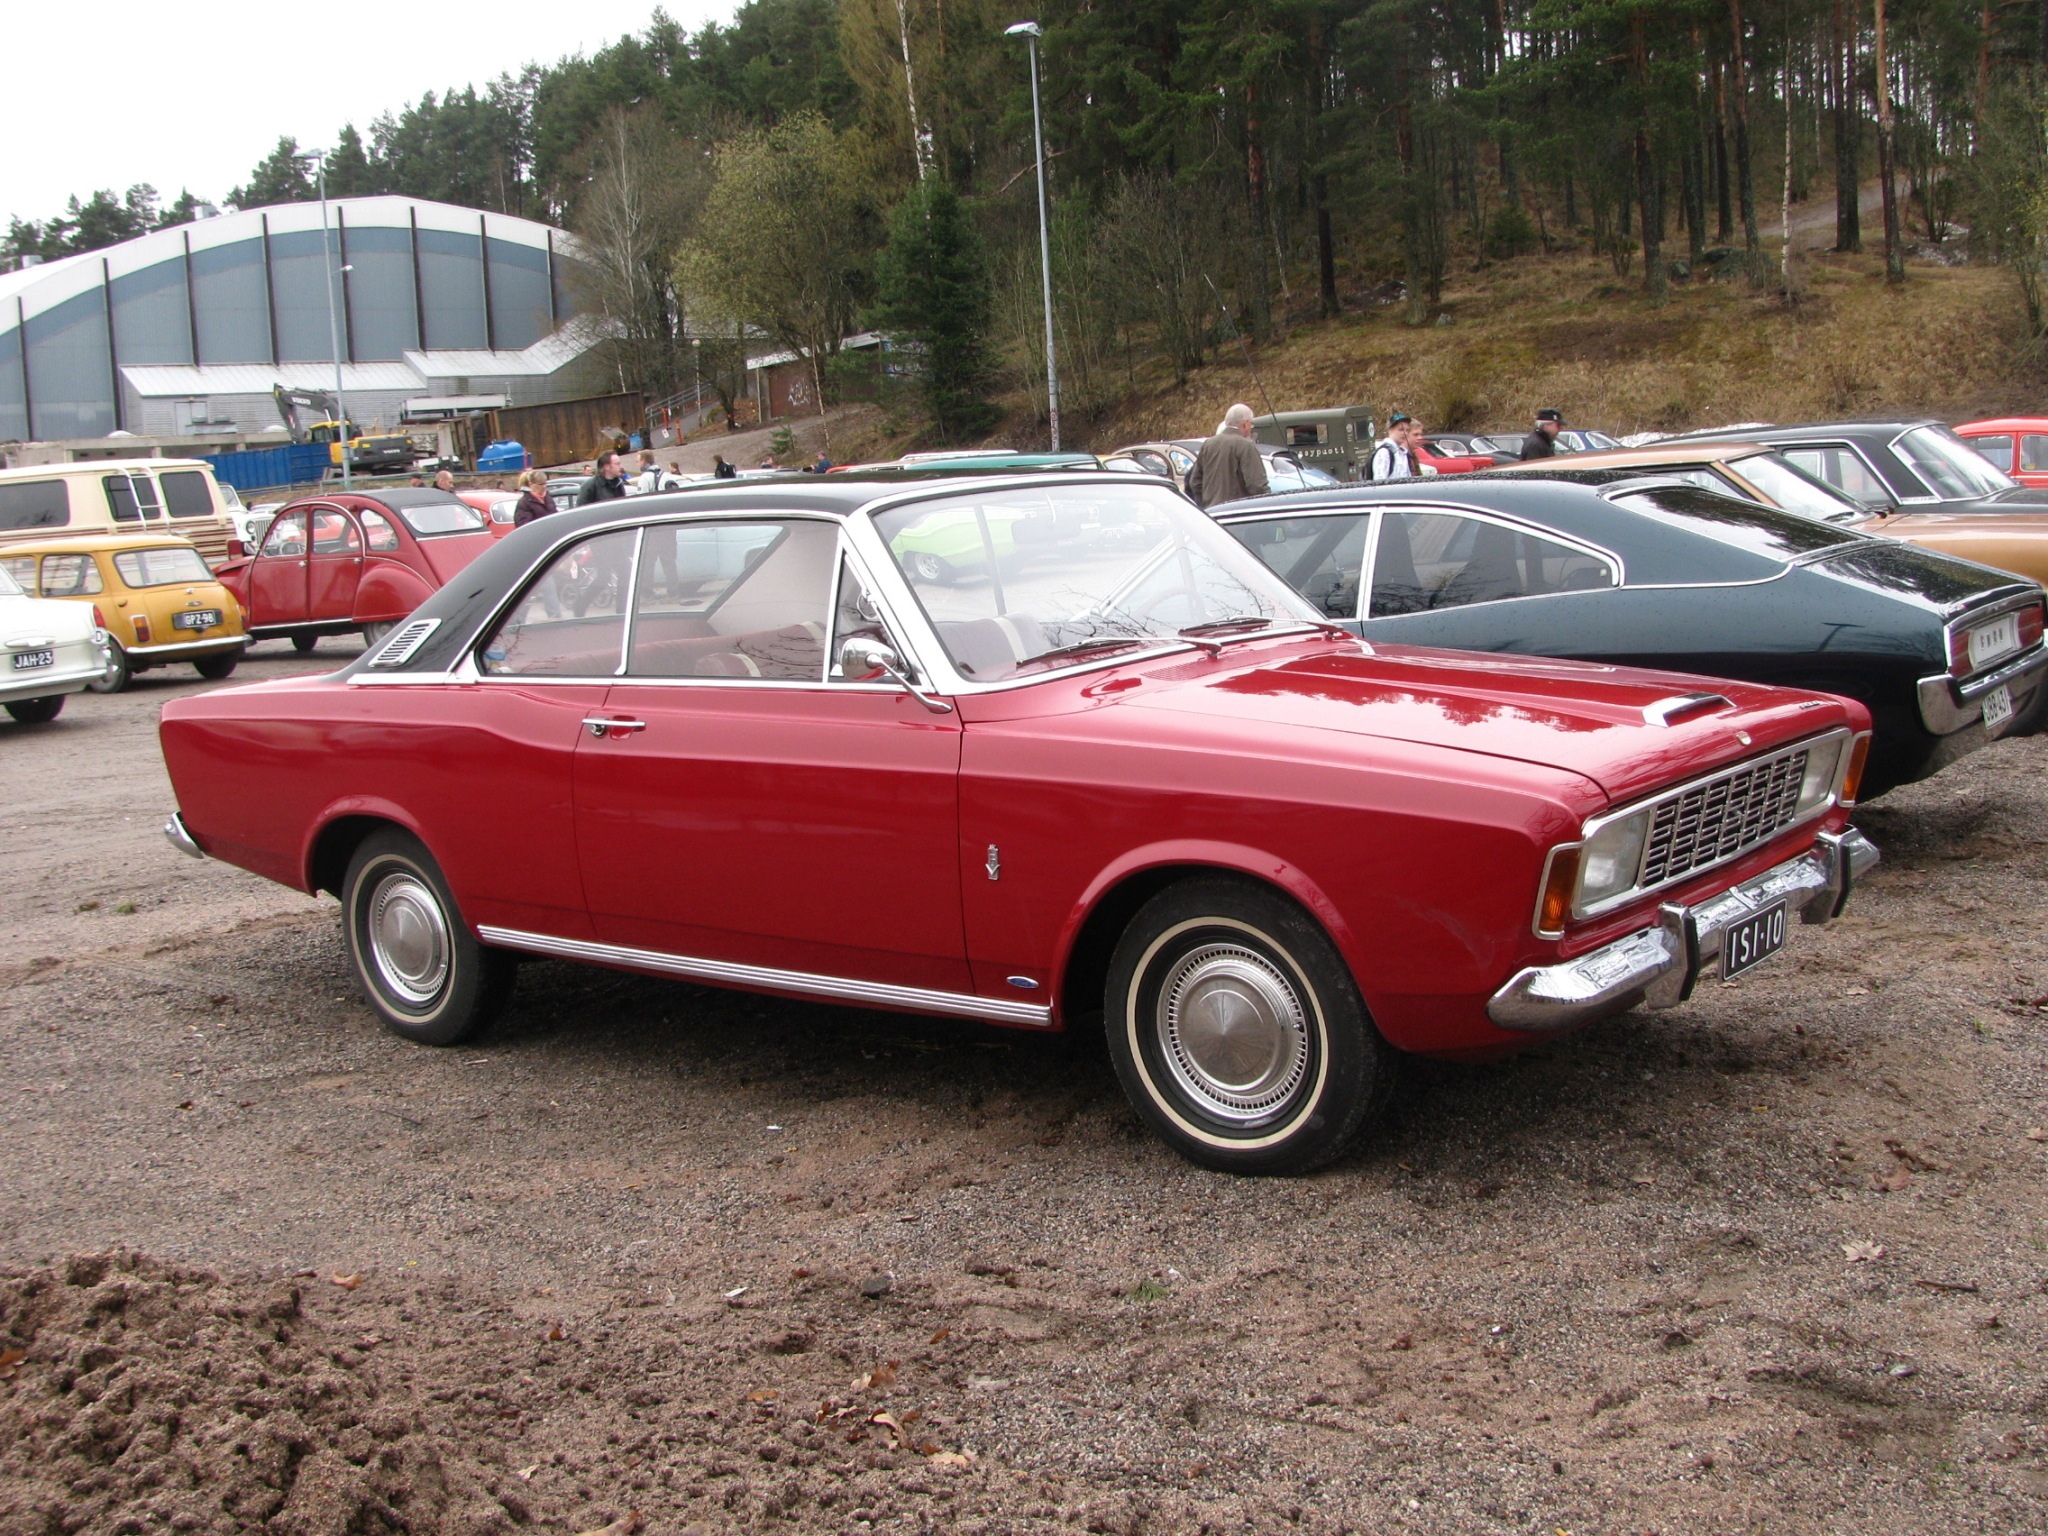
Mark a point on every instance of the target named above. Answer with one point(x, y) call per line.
point(389, 592)
point(371, 807)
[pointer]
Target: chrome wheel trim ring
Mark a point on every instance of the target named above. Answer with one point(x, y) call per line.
point(1233, 1032)
point(407, 936)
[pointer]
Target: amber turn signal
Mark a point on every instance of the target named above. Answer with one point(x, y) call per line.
point(1853, 779)
point(1560, 884)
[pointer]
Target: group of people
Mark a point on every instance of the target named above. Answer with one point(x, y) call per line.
point(1229, 466)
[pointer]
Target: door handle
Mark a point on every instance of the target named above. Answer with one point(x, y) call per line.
point(601, 728)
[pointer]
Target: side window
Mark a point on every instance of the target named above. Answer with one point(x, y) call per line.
point(1995, 447)
point(1841, 469)
point(734, 599)
point(23, 569)
point(121, 498)
point(1317, 556)
point(287, 535)
point(71, 576)
point(185, 493)
point(1431, 560)
point(2034, 454)
point(379, 534)
point(35, 504)
point(334, 533)
point(569, 622)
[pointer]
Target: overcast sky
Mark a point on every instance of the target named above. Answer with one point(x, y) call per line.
point(106, 93)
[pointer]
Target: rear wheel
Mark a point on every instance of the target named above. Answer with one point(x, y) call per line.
point(36, 711)
point(373, 634)
point(929, 567)
point(1238, 1032)
point(118, 674)
point(415, 958)
point(214, 668)
point(304, 644)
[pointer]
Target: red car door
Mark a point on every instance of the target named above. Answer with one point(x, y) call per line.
point(748, 807)
point(277, 576)
point(334, 566)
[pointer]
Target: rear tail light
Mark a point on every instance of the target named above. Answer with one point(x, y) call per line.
point(1852, 781)
point(141, 630)
point(2030, 625)
point(1958, 652)
point(99, 620)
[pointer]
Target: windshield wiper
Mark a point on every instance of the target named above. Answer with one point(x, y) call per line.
point(1247, 625)
point(1083, 647)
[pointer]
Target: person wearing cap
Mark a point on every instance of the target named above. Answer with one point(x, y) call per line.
point(1394, 459)
point(1542, 442)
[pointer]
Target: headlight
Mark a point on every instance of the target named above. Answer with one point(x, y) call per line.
point(1823, 765)
point(1610, 860)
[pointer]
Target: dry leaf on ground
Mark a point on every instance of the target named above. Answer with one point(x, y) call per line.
point(625, 1525)
point(346, 1282)
point(1861, 1252)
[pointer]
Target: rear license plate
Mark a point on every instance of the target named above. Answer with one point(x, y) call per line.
point(197, 618)
point(1753, 940)
point(1990, 641)
point(1997, 709)
point(24, 660)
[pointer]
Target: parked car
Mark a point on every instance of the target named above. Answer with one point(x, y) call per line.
point(1144, 780)
point(1474, 445)
point(1612, 567)
point(2016, 446)
point(69, 501)
point(1285, 470)
point(1916, 464)
point(497, 508)
point(341, 564)
point(1436, 456)
point(53, 650)
point(154, 597)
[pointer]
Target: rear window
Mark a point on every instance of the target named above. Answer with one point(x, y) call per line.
point(186, 493)
point(1940, 458)
point(1795, 490)
point(1741, 524)
point(164, 567)
point(438, 517)
point(35, 504)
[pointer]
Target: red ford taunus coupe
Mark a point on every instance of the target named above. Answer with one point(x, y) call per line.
point(1123, 771)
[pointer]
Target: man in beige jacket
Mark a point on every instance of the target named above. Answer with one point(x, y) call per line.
point(1229, 466)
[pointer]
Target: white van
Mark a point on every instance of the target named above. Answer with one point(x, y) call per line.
point(55, 501)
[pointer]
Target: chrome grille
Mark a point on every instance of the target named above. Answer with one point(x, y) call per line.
point(1722, 817)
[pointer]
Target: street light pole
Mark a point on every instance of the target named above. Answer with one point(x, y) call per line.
point(697, 377)
point(334, 327)
point(1029, 31)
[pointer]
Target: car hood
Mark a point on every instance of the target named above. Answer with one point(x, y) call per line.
point(451, 552)
point(1583, 717)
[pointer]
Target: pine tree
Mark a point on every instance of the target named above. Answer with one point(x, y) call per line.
point(935, 297)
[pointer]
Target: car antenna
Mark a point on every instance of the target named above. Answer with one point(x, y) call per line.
point(1242, 343)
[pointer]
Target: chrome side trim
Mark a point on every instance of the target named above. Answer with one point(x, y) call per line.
point(176, 835)
point(873, 994)
point(1947, 706)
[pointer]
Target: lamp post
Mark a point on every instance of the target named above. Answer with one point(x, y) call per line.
point(697, 377)
point(1029, 31)
point(333, 275)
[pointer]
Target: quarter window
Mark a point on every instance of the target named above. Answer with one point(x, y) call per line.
point(1430, 560)
point(71, 576)
point(35, 504)
point(734, 599)
point(1842, 469)
point(571, 622)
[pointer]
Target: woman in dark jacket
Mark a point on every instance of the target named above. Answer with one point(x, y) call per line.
point(533, 498)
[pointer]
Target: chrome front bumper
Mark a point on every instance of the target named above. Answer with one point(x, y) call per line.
point(1660, 965)
point(176, 835)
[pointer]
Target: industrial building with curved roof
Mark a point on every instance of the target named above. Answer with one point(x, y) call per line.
point(185, 330)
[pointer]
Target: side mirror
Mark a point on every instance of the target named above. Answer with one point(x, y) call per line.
point(864, 656)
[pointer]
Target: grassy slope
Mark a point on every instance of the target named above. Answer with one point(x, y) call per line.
point(1562, 331)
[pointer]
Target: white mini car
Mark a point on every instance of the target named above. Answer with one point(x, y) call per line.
point(50, 648)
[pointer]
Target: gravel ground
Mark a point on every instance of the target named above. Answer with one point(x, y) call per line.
point(653, 1253)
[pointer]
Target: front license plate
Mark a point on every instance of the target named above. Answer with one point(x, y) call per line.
point(1753, 940)
point(1988, 642)
point(24, 660)
point(197, 618)
point(1997, 709)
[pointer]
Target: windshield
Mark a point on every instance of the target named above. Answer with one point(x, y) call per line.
point(1021, 580)
point(1948, 466)
point(435, 517)
point(161, 567)
point(1796, 491)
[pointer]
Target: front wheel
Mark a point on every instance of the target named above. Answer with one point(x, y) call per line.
point(423, 971)
point(1238, 1032)
point(36, 711)
point(304, 644)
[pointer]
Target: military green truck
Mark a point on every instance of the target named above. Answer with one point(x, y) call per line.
point(1337, 441)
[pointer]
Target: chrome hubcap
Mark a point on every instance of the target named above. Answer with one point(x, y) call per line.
point(409, 938)
point(1234, 1031)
